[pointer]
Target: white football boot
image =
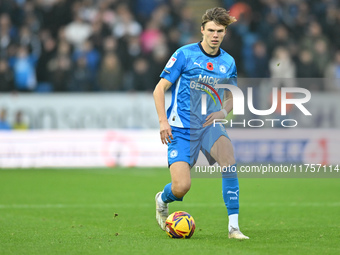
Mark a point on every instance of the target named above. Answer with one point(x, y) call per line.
point(236, 234)
point(162, 212)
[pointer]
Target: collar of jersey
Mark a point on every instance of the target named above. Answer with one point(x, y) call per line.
point(212, 56)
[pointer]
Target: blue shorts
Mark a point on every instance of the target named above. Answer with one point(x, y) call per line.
point(187, 143)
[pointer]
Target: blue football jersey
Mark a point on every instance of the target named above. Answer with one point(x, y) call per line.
point(193, 73)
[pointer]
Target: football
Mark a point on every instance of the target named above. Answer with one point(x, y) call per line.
point(180, 224)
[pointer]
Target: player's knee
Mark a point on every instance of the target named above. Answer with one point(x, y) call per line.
point(231, 160)
point(228, 160)
point(180, 189)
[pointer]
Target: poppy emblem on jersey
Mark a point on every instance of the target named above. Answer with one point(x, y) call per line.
point(210, 66)
point(210, 94)
point(223, 69)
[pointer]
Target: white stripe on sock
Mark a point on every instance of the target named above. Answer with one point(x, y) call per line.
point(233, 221)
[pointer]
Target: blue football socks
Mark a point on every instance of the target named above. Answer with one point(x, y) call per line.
point(230, 190)
point(167, 195)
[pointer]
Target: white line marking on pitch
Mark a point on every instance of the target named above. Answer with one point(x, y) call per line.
point(193, 205)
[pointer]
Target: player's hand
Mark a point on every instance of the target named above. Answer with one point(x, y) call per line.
point(213, 116)
point(165, 132)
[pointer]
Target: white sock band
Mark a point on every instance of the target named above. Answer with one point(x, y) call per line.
point(233, 221)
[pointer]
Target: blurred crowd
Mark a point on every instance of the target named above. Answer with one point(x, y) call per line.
point(89, 45)
point(287, 39)
point(123, 45)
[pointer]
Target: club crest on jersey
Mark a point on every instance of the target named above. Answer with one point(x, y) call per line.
point(173, 154)
point(223, 69)
point(171, 62)
point(210, 66)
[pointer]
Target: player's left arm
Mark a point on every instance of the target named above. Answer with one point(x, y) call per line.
point(222, 114)
point(228, 101)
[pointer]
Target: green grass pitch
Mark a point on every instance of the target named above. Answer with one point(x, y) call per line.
point(111, 211)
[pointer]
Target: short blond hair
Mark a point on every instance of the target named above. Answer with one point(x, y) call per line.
point(219, 15)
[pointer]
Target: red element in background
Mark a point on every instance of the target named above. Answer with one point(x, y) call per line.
point(319, 151)
point(323, 146)
point(241, 9)
point(322, 149)
point(121, 140)
point(210, 66)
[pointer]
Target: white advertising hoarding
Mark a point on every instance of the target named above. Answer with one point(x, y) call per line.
point(83, 110)
point(143, 148)
point(136, 110)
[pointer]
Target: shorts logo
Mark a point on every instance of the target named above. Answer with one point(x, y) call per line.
point(173, 154)
point(223, 69)
point(171, 62)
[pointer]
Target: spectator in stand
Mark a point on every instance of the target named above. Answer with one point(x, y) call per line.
point(187, 27)
point(77, 31)
point(4, 125)
point(110, 44)
point(60, 68)
point(92, 58)
point(88, 11)
point(126, 25)
point(129, 52)
point(6, 34)
point(150, 37)
point(29, 40)
point(106, 13)
point(6, 77)
point(260, 68)
point(322, 56)
point(48, 53)
point(313, 33)
point(306, 67)
point(332, 73)
point(60, 73)
point(175, 10)
point(145, 8)
point(332, 24)
point(100, 31)
point(139, 77)
point(307, 71)
point(19, 123)
point(282, 68)
point(280, 37)
point(173, 39)
point(110, 74)
point(23, 65)
point(161, 15)
point(56, 14)
point(32, 18)
point(302, 20)
point(81, 78)
point(159, 58)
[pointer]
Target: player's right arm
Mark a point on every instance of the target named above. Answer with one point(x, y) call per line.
point(159, 97)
